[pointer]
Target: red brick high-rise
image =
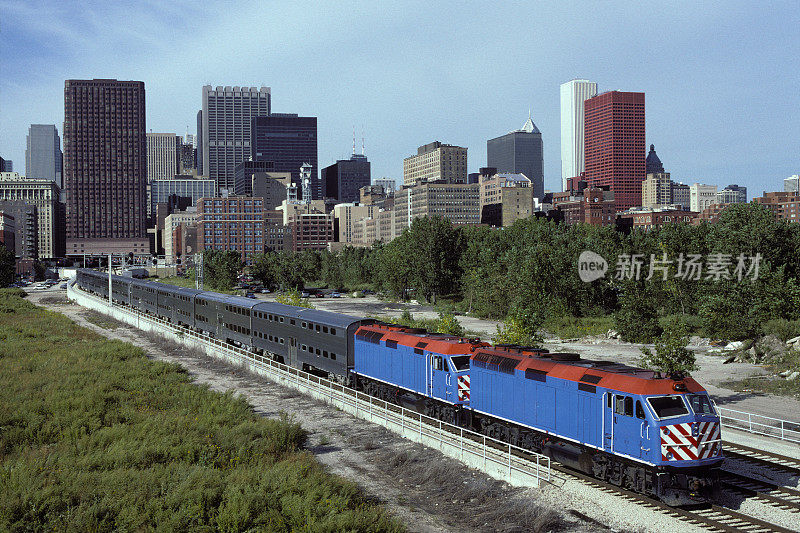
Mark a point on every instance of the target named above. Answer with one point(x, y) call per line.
point(614, 145)
point(105, 166)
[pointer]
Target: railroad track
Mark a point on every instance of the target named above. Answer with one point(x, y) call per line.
point(711, 517)
point(762, 458)
point(769, 493)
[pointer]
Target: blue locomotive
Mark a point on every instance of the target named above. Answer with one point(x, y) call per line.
point(653, 434)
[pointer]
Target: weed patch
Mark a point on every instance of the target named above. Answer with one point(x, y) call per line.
point(96, 437)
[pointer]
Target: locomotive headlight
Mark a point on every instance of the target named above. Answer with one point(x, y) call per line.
point(669, 455)
point(665, 430)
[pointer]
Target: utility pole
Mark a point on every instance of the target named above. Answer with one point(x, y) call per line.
point(198, 271)
point(110, 296)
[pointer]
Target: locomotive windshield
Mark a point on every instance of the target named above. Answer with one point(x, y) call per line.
point(701, 405)
point(461, 362)
point(668, 406)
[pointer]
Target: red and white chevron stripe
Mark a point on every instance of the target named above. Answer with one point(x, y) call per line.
point(463, 388)
point(690, 441)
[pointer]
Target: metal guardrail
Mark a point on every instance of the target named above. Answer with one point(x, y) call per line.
point(472, 448)
point(760, 424)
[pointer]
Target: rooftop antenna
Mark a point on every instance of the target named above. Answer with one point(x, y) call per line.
point(354, 140)
point(362, 139)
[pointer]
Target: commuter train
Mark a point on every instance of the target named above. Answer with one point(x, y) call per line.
point(638, 429)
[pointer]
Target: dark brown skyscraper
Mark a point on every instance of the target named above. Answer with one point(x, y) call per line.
point(105, 166)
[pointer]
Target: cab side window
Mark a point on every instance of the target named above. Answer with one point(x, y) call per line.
point(619, 404)
point(628, 406)
point(623, 405)
point(639, 410)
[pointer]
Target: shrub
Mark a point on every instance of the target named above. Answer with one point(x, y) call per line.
point(783, 329)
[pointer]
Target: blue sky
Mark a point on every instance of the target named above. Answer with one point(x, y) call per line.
point(721, 79)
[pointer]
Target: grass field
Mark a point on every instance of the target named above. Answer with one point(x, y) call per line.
point(96, 437)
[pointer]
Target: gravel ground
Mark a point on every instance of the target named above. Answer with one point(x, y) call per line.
point(416, 483)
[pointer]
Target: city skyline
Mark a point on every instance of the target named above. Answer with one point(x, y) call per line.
point(388, 90)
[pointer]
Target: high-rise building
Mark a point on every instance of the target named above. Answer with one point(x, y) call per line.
point(8, 232)
point(457, 202)
point(573, 94)
point(6, 165)
point(436, 162)
point(732, 194)
point(519, 152)
point(657, 189)
point(43, 153)
point(224, 127)
point(243, 175)
point(42, 193)
point(785, 205)
point(163, 160)
point(182, 187)
point(199, 142)
point(26, 225)
point(343, 179)
point(681, 195)
point(187, 156)
point(388, 185)
point(792, 184)
point(105, 166)
point(615, 145)
point(288, 141)
point(701, 196)
point(653, 163)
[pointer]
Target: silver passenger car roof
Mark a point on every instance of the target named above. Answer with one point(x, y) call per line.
point(325, 318)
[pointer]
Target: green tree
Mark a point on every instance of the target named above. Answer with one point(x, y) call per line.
point(8, 267)
point(521, 327)
point(434, 247)
point(396, 268)
point(294, 298)
point(448, 324)
point(332, 270)
point(264, 268)
point(670, 354)
point(637, 318)
point(221, 269)
point(289, 272)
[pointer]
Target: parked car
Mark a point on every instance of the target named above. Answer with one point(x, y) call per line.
point(319, 295)
point(335, 295)
point(264, 291)
point(304, 294)
point(250, 295)
point(62, 286)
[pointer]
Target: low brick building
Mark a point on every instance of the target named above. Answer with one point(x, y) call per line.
point(785, 205)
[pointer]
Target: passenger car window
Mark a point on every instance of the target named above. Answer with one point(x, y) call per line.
point(700, 404)
point(668, 406)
